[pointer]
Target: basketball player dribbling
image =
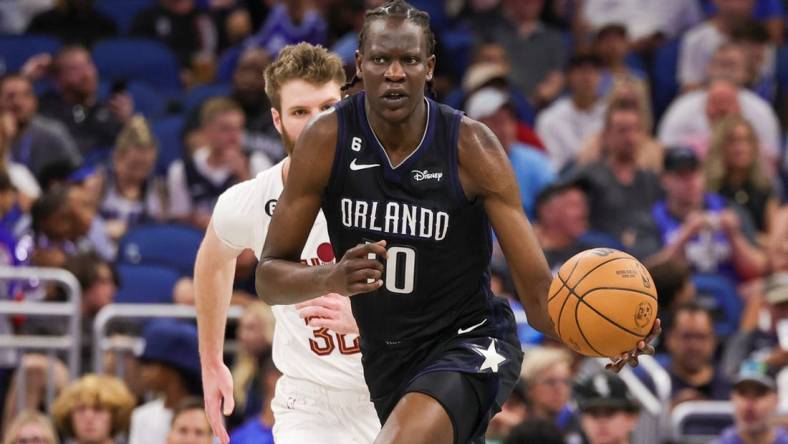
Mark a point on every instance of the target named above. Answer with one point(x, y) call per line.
point(412, 184)
point(321, 396)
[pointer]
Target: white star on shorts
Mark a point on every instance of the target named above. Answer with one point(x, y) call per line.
point(492, 359)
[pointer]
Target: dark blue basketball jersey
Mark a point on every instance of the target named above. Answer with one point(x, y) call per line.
point(439, 243)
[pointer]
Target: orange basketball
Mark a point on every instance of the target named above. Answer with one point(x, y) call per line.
point(602, 302)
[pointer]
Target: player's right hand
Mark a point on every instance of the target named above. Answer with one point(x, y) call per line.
point(217, 384)
point(359, 270)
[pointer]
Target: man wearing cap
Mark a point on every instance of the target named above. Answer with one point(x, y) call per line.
point(702, 228)
point(569, 121)
point(532, 168)
point(171, 369)
point(608, 411)
point(754, 399)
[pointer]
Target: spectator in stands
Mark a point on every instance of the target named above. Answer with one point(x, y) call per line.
point(754, 399)
point(682, 123)
point(30, 427)
point(754, 39)
point(248, 90)
point(189, 424)
point(562, 223)
point(258, 429)
point(628, 93)
point(290, 22)
point(39, 141)
point(768, 296)
point(94, 125)
point(548, 380)
point(611, 44)
point(700, 42)
point(513, 413)
point(712, 235)
point(93, 409)
point(256, 335)
point(14, 219)
point(532, 168)
point(691, 342)
point(65, 223)
point(608, 411)
point(196, 181)
point(618, 185)
point(182, 26)
point(15, 15)
point(131, 195)
point(171, 370)
point(535, 430)
point(74, 22)
point(538, 52)
point(232, 22)
point(733, 168)
point(730, 61)
point(20, 176)
point(565, 125)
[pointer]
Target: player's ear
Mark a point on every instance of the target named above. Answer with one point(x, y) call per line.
point(277, 118)
point(430, 66)
point(358, 63)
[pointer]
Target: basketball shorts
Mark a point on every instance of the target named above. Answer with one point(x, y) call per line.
point(471, 374)
point(305, 412)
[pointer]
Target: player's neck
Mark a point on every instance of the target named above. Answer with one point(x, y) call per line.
point(285, 169)
point(399, 139)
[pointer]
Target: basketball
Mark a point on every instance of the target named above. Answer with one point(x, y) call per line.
point(602, 302)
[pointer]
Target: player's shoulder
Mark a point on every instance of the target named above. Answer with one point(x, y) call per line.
point(245, 196)
point(476, 137)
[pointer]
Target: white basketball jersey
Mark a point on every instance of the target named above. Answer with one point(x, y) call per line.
point(240, 219)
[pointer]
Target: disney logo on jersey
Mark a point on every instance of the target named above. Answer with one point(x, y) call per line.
point(419, 176)
point(325, 255)
point(270, 206)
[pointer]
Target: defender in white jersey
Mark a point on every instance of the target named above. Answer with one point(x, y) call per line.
point(321, 396)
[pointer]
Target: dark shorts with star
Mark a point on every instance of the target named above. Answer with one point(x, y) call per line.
point(470, 374)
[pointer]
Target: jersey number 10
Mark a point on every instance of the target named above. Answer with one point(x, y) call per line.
point(400, 269)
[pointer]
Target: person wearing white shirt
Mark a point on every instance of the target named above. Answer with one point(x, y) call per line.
point(690, 118)
point(700, 42)
point(565, 125)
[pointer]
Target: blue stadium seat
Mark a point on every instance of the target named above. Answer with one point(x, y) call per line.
point(16, 49)
point(456, 45)
point(664, 84)
point(168, 132)
point(719, 295)
point(138, 59)
point(168, 245)
point(196, 96)
point(147, 101)
point(227, 62)
point(122, 12)
point(145, 284)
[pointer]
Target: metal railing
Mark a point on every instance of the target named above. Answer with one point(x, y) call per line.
point(70, 343)
point(102, 342)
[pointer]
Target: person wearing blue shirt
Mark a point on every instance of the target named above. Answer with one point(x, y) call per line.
point(289, 22)
point(532, 168)
point(259, 429)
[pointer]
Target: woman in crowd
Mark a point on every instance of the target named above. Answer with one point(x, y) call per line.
point(131, 194)
point(734, 169)
point(256, 334)
point(93, 409)
point(30, 427)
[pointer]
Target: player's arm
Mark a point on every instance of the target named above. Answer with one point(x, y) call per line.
point(281, 278)
point(214, 271)
point(486, 174)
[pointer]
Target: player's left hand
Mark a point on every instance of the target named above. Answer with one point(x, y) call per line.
point(644, 348)
point(331, 311)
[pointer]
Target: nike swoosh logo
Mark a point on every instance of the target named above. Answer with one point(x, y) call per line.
point(471, 328)
point(356, 167)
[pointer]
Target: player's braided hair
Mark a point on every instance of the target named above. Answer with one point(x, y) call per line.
point(398, 10)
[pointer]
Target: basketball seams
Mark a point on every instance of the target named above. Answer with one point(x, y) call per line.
point(580, 329)
point(563, 283)
point(644, 293)
point(580, 299)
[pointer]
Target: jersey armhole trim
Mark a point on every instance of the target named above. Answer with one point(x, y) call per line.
point(338, 154)
point(454, 158)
